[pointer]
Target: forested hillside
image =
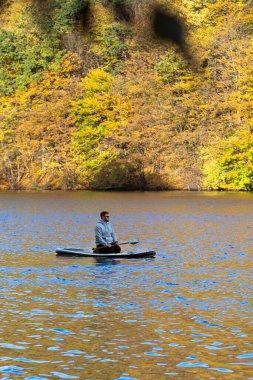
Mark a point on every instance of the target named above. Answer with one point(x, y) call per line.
point(95, 95)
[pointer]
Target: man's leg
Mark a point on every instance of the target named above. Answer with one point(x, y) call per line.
point(115, 248)
point(102, 249)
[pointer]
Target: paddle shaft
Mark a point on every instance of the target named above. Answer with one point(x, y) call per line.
point(129, 242)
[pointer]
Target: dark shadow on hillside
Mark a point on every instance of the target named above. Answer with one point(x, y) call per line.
point(164, 25)
point(119, 175)
point(168, 27)
point(4, 3)
point(45, 12)
point(123, 11)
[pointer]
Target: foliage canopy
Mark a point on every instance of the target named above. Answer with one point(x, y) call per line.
point(90, 98)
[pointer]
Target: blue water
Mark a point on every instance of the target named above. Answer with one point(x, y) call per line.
point(187, 313)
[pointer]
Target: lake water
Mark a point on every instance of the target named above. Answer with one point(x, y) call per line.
point(186, 314)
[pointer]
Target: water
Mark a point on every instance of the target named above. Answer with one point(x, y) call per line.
point(186, 314)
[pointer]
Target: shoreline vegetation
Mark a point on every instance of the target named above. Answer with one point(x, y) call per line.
point(103, 95)
point(202, 190)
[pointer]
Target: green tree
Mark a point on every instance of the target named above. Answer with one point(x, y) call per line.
point(97, 114)
point(230, 165)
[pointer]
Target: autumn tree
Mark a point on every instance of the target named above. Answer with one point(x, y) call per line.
point(97, 114)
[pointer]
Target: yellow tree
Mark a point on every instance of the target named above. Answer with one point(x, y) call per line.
point(36, 128)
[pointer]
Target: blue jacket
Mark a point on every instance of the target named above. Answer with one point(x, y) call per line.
point(104, 233)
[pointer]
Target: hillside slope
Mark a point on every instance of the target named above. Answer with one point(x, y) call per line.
point(126, 94)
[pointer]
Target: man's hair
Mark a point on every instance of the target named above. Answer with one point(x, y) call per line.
point(103, 213)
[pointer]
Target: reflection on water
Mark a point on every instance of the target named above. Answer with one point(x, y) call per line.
point(187, 313)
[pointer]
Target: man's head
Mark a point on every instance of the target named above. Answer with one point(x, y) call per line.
point(104, 215)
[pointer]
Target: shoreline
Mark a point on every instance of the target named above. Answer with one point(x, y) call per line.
point(124, 190)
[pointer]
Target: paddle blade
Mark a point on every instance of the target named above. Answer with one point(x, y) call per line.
point(129, 242)
point(134, 242)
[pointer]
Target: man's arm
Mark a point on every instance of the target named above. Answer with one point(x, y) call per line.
point(99, 237)
point(113, 235)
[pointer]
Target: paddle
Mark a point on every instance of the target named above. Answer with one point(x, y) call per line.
point(121, 243)
point(124, 242)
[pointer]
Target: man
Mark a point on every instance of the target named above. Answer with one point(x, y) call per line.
point(106, 241)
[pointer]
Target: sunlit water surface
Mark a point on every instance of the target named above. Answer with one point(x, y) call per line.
point(186, 314)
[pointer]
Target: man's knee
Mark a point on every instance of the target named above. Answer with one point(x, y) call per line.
point(116, 248)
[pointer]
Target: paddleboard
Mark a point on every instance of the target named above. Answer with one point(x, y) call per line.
point(83, 253)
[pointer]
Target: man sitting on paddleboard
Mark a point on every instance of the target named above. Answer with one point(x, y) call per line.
point(106, 241)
